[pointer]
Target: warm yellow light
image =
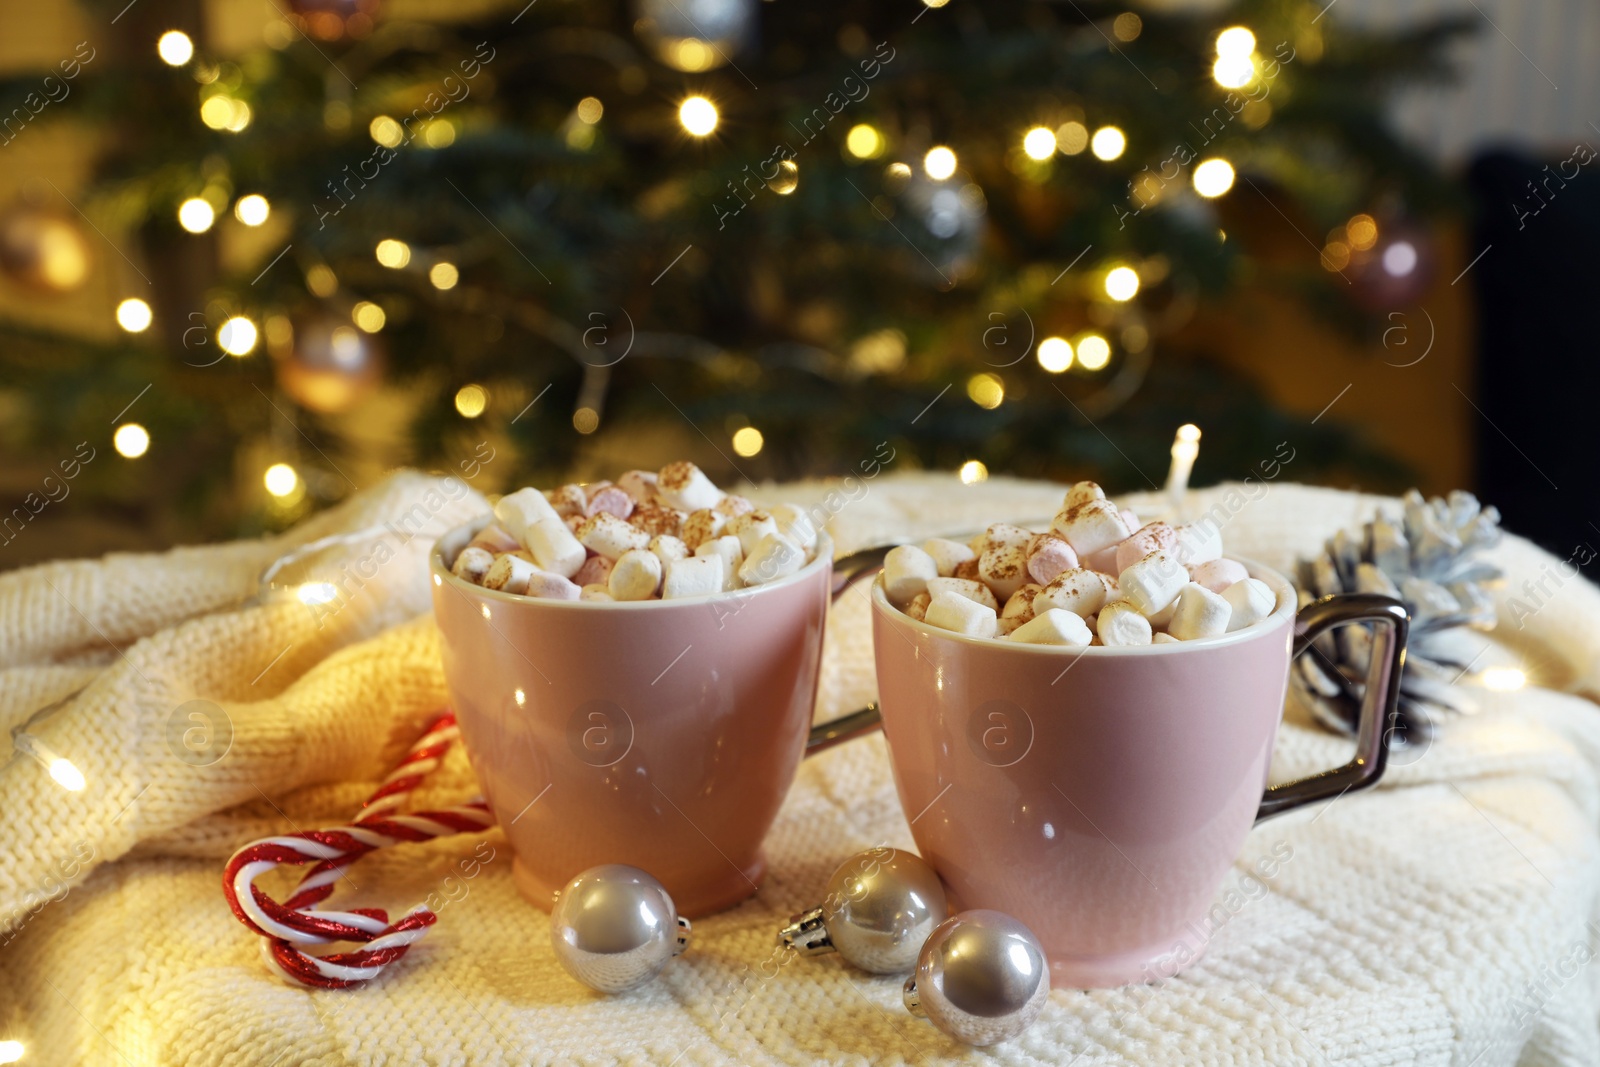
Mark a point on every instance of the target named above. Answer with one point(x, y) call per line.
point(747, 441)
point(939, 163)
point(1071, 138)
point(237, 337)
point(1335, 256)
point(1127, 26)
point(585, 420)
point(175, 49)
point(195, 215)
point(392, 253)
point(864, 141)
point(131, 440)
point(1233, 72)
point(440, 133)
point(1188, 432)
point(134, 315)
point(11, 1051)
point(1362, 231)
point(934, 3)
point(1122, 283)
point(321, 280)
point(1055, 354)
point(1504, 679)
point(1236, 41)
point(787, 180)
point(216, 112)
point(471, 400)
point(1107, 143)
point(1093, 351)
point(252, 210)
point(386, 131)
point(986, 390)
point(444, 275)
point(66, 775)
point(1039, 143)
point(590, 109)
point(699, 116)
point(1213, 177)
point(280, 479)
point(368, 316)
point(241, 116)
point(973, 471)
point(312, 593)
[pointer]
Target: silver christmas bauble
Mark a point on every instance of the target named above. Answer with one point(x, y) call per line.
point(614, 927)
point(880, 907)
point(982, 978)
point(695, 35)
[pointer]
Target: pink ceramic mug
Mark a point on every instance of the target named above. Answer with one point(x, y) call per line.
point(663, 735)
point(1100, 795)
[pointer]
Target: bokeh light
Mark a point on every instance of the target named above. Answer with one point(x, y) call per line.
point(986, 390)
point(237, 336)
point(748, 441)
point(1108, 143)
point(972, 472)
point(1039, 143)
point(280, 479)
point(196, 215)
point(1122, 283)
point(131, 440)
point(175, 49)
point(472, 400)
point(939, 163)
point(1094, 352)
point(392, 253)
point(864, 141)
point(1213, 177)
point(444, 275)
point(1055, 354)
point(252, 210)
point(699, 116)
point(134, 315)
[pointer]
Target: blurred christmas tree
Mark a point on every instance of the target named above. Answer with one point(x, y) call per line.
point(774, 234)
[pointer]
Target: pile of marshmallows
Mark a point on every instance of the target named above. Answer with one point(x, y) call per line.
point(1096, 577)
point(666, 535)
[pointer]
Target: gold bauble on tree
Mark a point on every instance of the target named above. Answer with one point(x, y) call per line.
point(42, 249)
point(326, 365)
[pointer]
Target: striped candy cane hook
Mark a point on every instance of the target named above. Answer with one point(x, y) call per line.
point(297, 921)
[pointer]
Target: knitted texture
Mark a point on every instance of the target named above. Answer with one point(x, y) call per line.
point(1441, 919)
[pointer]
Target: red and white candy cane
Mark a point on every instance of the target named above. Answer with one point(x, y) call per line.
point(296, 920)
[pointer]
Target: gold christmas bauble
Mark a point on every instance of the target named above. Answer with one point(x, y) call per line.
point(329, 366)
point(43, 250)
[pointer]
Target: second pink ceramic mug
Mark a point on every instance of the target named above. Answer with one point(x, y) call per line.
point(1100, 795)
point(660, 734)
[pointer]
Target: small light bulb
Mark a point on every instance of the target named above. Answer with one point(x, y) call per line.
point(252, 210)
point(747, 441)
point(471, 400)
point(1213, 177)
point(590, 109)
point(131, 440)
point(1122, 284)
point(1055, 354)
point(1107, 143)
point(1071, 138)
point(280, 479)
point(369, 316)
point(698, 115)
point(973, 471)
point(939, 163)
point(386, 131)
point(986, 390)
point(237, 336)
point(586, 420)
point(392, 253)
point(1233, 72)
point(1236, 41)
point(864, 141)
point(196, 215)
point(68, 776)
point(1400, 259)
point(175, 48)
point(1039, 143)
point(1093, 352)
point(134, 315)
point(444, 275)
point(1188, 432)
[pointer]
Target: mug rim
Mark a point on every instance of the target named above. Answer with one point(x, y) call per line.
point(823, 558)
point(1285, 610)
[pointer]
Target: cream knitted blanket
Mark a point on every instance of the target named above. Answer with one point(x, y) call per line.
point(1444, 918)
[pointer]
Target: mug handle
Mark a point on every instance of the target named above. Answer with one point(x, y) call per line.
point(1379, 703)
point(846, 572)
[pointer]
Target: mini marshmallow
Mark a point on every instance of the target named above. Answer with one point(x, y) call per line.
point(595, 592)
point(733, 504)
point(575, 522)
point(948, 554)
point(639, 485)
point(977, 543)
point(967, 569)
point(1004, 627)
point(1251, 600)
point(1004, 566)
point(509, 574)
point(1049, 557)
point(596, 570)
point(1151, 583)
point(795, 523)
point(610, 501)
point(472, 564)
point(610, 536)
point(1003, 533)
point(918, 608)
point(1200, 613)
point(668, 548)
point(750, 528)
point(1160, 620)
point(1129, 519)
point(774, 557)
point(1120, 625)
point(1082, 493)
point(636, 575)
point(1104, 561)
point(547, 586)
point(1199, 542)
point(732, 556)
point(906, 570)
point(694, 576)
point(494, 540)
point(970, 588)
point(656, 519)
point(1155, 537)
point(952, 611)
point(554, 548)
point(1164, 639)
point(568, 500)
point(519, 511)
point(686, 487)
point(1054, 627)
point(592, 488)
point(1079, 591)
point(702, 526)
point(1091, 526)
point(1020, 604)
point(1216, 575)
